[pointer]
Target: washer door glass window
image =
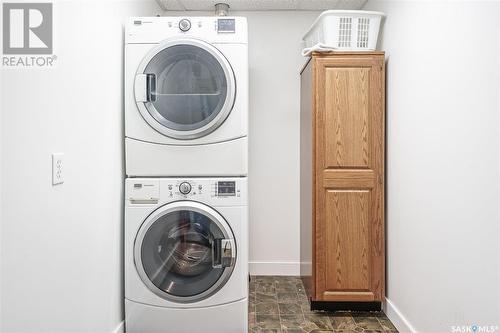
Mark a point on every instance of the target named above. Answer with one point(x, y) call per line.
point(181, 253)
point(190, 89)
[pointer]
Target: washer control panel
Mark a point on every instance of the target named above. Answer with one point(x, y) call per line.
point(224, 191)
point(191, 188)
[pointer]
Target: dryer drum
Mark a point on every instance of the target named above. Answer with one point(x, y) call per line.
point(185, 88)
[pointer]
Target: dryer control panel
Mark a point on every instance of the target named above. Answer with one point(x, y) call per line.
point(227, 29)
point(215, 191)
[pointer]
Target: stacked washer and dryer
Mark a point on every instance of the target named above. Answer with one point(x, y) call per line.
point(186, 147)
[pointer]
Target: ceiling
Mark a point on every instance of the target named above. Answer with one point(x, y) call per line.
point(236, 5)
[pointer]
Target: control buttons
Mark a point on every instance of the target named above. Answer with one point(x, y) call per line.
point(200, 187)
point(184, 25)
point(170, 187)
point(185, 188)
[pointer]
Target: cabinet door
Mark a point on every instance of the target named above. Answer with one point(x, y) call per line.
point(349, 178)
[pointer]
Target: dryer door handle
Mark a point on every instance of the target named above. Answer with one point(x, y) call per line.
point(224, 253)
point(145, 88)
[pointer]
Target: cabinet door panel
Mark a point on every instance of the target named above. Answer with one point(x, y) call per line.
point(347, 229)
point(346, 112)
point(349, 178)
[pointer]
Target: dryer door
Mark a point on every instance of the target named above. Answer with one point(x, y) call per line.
point(185, 88)
point(185, 251)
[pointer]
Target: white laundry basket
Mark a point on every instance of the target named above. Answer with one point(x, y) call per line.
point(347, 30)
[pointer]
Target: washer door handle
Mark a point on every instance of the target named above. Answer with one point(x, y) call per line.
point(224, 253)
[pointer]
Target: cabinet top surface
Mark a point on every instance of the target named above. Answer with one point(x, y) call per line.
point(343, 53)
point(333, 54)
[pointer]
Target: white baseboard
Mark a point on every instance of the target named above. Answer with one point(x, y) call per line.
point(120, 328)
point(274, 268)
point(397, 318)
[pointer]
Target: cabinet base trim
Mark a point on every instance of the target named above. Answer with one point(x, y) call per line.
point(346, 306)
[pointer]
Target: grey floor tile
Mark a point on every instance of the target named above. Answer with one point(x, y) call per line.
point(267, 308)
point(306, 307)
point(264, 321)
point(287, 297)
point(342, 321)
point(290, 308)
point(265, 287)
point(279, 304)
point(386, 324)
point(251, 320)
point(265, 297)
point(301, 296)
point(289, 322)
point(320, 321)
point(368, 323)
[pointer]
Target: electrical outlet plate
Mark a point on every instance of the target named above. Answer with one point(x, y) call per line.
point(57, 168)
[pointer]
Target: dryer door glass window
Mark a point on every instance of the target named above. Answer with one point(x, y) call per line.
point(187, 89)
point(180, 255)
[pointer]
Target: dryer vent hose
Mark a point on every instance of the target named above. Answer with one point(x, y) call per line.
point(221, 9)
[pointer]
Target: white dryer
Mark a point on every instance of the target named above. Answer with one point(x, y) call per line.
point(186, 255)
point(186, 96)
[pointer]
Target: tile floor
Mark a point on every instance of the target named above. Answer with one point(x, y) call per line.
point(278, 304)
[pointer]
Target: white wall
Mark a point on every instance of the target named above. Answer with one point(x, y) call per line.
point(1, 185)
point(443, 181)
point(274, 64)
point(61, 246)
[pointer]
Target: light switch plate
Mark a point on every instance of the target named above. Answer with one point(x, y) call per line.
point(57, 168)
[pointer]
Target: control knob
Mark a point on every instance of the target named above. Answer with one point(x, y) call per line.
point(185, 188)
point(184, 25)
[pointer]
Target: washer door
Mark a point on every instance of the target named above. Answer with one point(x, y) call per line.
point(185, 251)
point(185, 88)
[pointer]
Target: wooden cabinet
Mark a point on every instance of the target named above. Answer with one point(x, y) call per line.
point(342, 177)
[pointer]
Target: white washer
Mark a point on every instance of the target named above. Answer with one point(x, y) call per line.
point(186, 255)
point(186, 96)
